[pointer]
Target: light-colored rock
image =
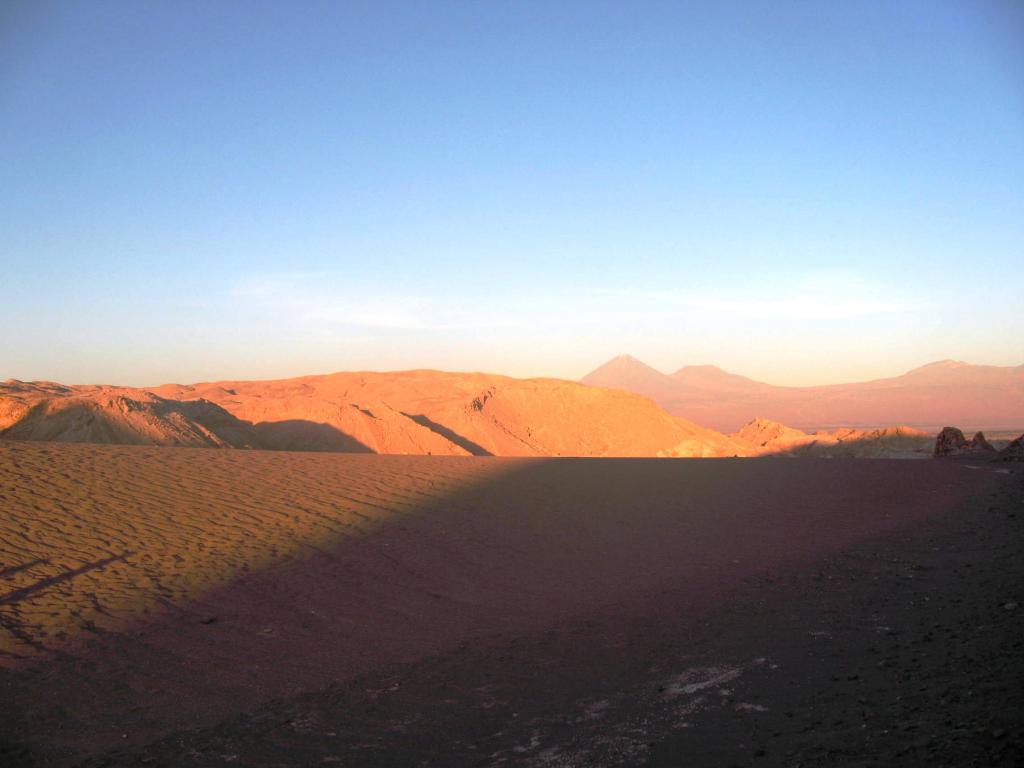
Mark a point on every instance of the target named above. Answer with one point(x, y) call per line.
point(766, 437)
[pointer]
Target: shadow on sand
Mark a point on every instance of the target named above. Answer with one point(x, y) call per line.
point(526, 545)
point(25, 592)
point(302, 435)
point(11, 570)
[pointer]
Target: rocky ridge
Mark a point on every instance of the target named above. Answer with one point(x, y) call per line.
point(951, 442)
point(411, 412)
point(767, 437)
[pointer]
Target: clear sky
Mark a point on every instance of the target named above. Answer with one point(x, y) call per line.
point(803, 192)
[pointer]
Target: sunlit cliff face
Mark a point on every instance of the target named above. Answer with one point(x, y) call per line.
point(414, 412)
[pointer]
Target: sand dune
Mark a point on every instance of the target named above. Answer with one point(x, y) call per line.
point(179, 585)
point(974, 396)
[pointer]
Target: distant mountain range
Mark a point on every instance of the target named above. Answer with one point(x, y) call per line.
point(946, 392)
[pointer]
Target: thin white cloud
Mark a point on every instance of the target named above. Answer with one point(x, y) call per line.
point(329, 300)
point(325, 300)
point(384, 312)
point(802, 307)
point(821, 296)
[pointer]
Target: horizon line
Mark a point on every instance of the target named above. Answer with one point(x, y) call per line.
point(579, 380)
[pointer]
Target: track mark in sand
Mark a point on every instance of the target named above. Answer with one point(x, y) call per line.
point(25, 592)
point(6, 573)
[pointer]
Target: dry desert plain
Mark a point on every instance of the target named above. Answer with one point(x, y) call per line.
point(188, 606)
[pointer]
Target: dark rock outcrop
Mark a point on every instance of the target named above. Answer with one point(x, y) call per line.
point(1012, 452)
point(951, 442)
point(980, 443)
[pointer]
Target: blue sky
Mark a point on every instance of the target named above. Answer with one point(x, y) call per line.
point(800, 192)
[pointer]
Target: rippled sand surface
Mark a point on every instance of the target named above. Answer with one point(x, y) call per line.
point(144, 590)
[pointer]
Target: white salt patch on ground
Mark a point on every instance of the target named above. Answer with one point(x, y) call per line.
point(708, 677)
point(745, 707)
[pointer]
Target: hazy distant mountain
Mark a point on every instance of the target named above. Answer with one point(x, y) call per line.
point(946, 392)
point(628, 373)
point(412, 412)
point(713, 378)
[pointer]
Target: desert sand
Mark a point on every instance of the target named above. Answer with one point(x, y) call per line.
point(975, 397)
point(206, 607)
